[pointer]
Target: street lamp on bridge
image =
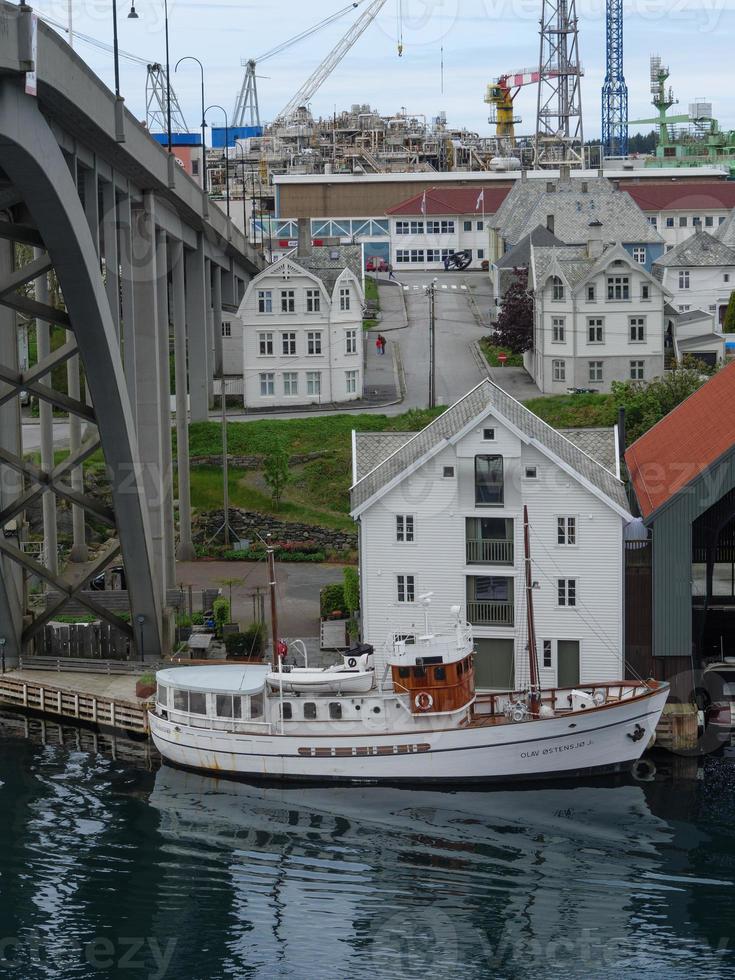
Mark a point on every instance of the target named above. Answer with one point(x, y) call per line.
point(227, 157)
point(190, 57)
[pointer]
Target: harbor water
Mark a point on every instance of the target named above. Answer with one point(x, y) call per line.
point(113, 867)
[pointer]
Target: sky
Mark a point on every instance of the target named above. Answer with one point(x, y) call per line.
point(481, 39)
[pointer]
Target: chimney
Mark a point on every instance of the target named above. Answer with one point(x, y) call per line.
point(524, 174)
point(564, 171)
point(600, 172)
point(594, 240)
point(304, 237)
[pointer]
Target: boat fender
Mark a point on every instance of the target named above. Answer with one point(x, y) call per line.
point(352, 662)
point(423, 701)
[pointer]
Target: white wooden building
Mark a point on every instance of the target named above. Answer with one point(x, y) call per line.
point(301, 324)
point(699, 273)
point(441, 512)
point(598, 317)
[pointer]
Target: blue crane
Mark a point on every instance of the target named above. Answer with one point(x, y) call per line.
point(614, 89)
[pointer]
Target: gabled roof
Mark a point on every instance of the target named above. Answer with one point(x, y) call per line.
point(726, 231)
point(692, 316)
point(452, 200)
point(328, 262)
point(487, 398)
point(684, 444)
point(700, 249)
point(573, 202)
point(519, 257)
point(570, 262)
point(714, 195)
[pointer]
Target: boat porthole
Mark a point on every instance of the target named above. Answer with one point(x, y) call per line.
point(376, 710)
point(573, 725)
point(357, 707)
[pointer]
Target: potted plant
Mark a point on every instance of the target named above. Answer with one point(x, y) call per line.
point(145, 687)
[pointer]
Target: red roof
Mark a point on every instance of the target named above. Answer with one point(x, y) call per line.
point(453, 200)
point(685, 443)
point(715, 195)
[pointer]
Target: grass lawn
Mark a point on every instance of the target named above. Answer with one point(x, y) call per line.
point(372, 298)
point(575, 411)
point(491, 354)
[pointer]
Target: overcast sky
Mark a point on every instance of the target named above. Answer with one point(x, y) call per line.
point(481, 39)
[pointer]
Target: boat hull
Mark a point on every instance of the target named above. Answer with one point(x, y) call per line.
point(604, 739)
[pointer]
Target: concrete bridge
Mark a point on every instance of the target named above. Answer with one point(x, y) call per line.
point(103, 235)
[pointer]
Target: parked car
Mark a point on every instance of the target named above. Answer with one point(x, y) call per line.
point(117, 577)
point(715, 694)
point(376, 264)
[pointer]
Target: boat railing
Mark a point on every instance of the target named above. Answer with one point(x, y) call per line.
point(495, 703)
point(253, 726)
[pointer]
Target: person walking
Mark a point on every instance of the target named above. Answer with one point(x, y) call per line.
point(391, 273)
point(378, 345)
point(383, 342)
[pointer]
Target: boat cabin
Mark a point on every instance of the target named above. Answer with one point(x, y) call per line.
point(213, 697)
point(436, 674)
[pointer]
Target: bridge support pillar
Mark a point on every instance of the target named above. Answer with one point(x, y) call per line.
point(127, 298)
point(164, 370)
point(178, 291)
point(43, 342)
point(197, 321)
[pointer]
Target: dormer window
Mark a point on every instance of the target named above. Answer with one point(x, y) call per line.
point(557, 288)
point(344, 298)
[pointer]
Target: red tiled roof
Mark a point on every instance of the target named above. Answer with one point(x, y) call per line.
point(685, 443)
point(453, 200)
point(683, 196)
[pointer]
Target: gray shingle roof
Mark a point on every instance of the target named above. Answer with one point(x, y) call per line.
point(706, 339)
point(700, 249)
point(692, 316)
point(487, 396)
point(321, 263)
point(371, 448)
point(573, 203)
point(726, 231)
point(571, 260)
point(519, 256)
point(600, 444)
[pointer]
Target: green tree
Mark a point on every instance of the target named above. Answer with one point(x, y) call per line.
point(729, 324)
point(276, 471)
point(646, 403)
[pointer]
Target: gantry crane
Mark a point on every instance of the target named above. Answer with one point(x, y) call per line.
point(501, 94)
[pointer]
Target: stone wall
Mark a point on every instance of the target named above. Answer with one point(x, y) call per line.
point(249, 525)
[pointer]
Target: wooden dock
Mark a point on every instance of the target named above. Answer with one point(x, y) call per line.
point(678, 728)
point(23, 692)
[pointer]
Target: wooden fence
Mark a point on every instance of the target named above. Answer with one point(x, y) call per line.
point(77, 705)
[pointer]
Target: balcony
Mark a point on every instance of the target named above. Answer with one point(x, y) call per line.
point(487, 551)
point(484, 613)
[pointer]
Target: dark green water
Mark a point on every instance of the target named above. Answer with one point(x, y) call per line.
point(108, 870)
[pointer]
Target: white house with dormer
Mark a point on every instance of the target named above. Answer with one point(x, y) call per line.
point(302, 330)
point(700, 275)
point(598, 317)
point(440, 514)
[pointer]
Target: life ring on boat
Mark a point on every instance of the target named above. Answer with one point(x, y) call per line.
point(281, 648)
point(423, 701)
point(352, 662)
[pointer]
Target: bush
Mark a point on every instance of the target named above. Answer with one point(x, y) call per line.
point(729, 325)
point(251, 643)
point(197, 619)
point(221, 612)
point(351, 589)
point(332, 599)
point(253, 554)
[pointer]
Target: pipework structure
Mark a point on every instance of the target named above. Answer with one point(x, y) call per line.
point(614, 89)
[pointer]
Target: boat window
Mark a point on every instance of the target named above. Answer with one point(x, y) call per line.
point(404, 671)
point(335, 709)
point(419, 672)
point(440, 674)
point(256, 705)
point(181, 699)
point(162, 694)
point(197, 703)
point(286, 712)
point(228, 706)
point(460, 669)
point(310, 711)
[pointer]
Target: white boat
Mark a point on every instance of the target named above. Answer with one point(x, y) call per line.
point(423, 721)
point(356, 675)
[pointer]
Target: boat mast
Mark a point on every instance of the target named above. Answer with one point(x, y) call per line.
point(274, 607)
point(532, 651)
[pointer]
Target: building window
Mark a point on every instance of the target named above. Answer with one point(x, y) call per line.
point(721, 220)
point(288, 344)
point(709, 221)
point(313, 382)
point(433, 255)
point(595, 371)
point(467, 226)
point(547, 653)
point(488, 435)
point(226, 329)
point(404, 528)
point(557, 288)
point(682, 221)
point(595, 330)
point(531, 473)
point(557, 329)
point(567, 591)
point(402, 228)
point(417, 255)
point(653, 221)
point(313, 301)
point(290, 383)
point(480, 225)
point(488, 480)
point(481, 253)
point(288, 301)
point(417, 227)
point(645, 291)
point(591, 294)
point(639, 254)
point(637, 370)
point(267, 384)
point(402, 255)
point(566, 530)
point(447, 228)
point(683, 279)
point(446, 252)
point(265, 344)
point(559, 370)
point(314, 342)
point(433, 227)
point(618, 287)
point(344, 298)
point(637, 325)
point(669, 222)
point(726, 277)
point(351, 382)
point(684, 309)
point(406, 588)
point(696, 221)
point(265, 301)
point(448, 472)
point(350, 341)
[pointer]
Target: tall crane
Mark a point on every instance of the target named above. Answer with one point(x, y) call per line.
point(317, 78)
point(502, 93)
point(614, 89)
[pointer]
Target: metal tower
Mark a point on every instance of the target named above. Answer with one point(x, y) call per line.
point(559, 137)
point(247, 110)
point(614, 89)
point(155, 103)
